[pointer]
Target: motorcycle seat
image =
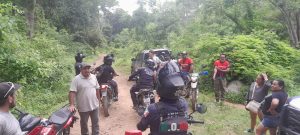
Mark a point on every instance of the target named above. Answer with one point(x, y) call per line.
point(60, 116)
point(28, 122)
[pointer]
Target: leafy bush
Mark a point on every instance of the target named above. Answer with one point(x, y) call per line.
point(42, 65)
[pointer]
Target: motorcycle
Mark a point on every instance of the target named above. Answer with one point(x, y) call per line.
point(107, 95)
point(191, 90)
point(106, 90)
point(59, 122)
point(194, 88)
point(144, 98)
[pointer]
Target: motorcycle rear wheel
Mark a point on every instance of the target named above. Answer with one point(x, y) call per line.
point(105, 103)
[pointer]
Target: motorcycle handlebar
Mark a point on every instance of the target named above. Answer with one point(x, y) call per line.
point(195, 122)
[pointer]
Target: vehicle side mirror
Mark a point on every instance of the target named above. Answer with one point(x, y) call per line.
point(132, 59)
point(203, 73)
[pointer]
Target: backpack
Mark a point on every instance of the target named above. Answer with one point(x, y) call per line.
point(172, 123)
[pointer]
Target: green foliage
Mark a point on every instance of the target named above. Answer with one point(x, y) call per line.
point(42, 65)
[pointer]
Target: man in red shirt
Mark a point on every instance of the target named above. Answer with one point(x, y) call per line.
point(219, 77)
point(186, 63)
point(186, 66)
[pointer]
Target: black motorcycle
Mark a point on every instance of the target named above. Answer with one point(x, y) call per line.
point(144, 98)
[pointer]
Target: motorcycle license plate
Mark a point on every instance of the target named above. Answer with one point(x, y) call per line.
point(193, 85)
point(104, 93)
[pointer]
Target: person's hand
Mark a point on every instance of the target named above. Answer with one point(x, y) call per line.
point(272, 111)
point(265, 76)
point(214, 78)
point(72, 108)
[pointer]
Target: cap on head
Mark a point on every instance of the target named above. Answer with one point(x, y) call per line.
point(84, 65)
point(7, 88)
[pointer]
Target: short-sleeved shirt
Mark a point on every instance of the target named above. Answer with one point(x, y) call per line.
point(222, 65)
point(9, 125)
point(280, 95)
point(85, 88)
point(185, 64)
point(259, 92)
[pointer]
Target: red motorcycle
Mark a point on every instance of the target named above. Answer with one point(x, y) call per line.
point(58, 123)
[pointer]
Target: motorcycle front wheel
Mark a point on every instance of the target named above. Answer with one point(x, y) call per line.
point(194, 99)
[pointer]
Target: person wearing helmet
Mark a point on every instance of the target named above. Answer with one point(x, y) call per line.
point(170, 103)
point(105, 74)
point(78, 58)
point(146, 79)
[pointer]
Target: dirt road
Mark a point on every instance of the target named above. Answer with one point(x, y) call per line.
point(122, 117)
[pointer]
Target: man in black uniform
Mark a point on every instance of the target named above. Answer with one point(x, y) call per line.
point(146, 79)
point(170, 104)
point(105, 74)
point(78, 58)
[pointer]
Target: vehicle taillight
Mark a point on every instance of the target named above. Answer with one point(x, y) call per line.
point(103, 87)
point(183, 126)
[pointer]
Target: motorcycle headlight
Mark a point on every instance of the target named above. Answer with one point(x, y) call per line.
point(193, 79)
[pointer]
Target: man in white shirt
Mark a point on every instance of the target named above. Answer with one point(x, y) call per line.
point(85, 89)
point(9, 125)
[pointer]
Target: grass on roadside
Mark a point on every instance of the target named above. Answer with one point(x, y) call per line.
point(220, 119)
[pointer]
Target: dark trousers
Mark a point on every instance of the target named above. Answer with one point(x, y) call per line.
point(220, 85)
point(84, 117)
point(134, 88)
point(114, 85)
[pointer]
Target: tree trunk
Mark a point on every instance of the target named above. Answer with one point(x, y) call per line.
point(291, 22)
point(298, 27)
point(30, 17)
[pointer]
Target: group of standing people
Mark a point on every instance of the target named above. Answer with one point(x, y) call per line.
point(270, 105)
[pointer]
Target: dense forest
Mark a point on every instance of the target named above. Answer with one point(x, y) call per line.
point(39, 38)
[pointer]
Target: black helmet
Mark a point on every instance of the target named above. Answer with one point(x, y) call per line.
point(150, 63)
point(169, 83)
point(108, 60)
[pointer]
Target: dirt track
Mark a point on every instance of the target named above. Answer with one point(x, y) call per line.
point(122, 117)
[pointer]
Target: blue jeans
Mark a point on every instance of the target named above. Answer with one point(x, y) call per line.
point(185, 76)
point(270, 121)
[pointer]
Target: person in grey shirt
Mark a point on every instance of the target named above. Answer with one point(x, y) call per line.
point(258, 90)
point(155, 59)
point(9, 125)
point(85, 89)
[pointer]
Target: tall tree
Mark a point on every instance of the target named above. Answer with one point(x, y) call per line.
point(290, 11)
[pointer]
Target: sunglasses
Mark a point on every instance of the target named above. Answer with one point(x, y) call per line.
point(12, 87)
